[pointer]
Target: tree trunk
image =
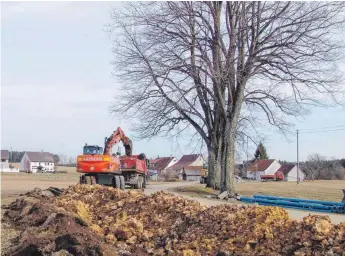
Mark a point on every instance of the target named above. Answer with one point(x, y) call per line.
point(217, 171)
point(211, 167)
point(230, 162)
point(224, 169)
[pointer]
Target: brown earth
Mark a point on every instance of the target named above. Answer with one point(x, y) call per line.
point(99, 220)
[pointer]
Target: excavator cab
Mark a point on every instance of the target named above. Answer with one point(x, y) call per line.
point(92, 150)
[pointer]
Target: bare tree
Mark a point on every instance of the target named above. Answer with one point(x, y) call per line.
point(63, 159)
point(313, 166)
point(221, 68)
point(319, 167)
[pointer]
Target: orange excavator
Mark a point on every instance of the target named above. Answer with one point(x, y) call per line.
point(102, 167)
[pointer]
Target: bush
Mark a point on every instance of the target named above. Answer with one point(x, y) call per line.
point(170, 176)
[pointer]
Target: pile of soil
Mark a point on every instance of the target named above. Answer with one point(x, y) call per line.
point(99, 220)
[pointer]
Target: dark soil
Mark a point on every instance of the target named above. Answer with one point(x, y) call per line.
point(45, 229)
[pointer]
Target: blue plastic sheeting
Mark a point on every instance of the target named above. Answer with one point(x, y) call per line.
point(295, 205)
point(300, 200)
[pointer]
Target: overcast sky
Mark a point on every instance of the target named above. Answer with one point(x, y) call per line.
point(56, 86)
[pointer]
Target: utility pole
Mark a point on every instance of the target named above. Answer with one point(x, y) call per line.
point(297, 160)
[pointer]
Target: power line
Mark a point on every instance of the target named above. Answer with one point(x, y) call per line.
point(331, 130)
point(329, 127)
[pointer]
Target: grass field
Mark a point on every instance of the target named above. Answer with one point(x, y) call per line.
point(329, 190)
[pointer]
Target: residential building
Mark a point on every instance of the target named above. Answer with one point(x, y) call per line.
point(4, 160)
point(33, 161)
point(4, 164)
point(161, 164)
point(290, 172)
point(189, 167)
point(262, 167)
point(5, 156)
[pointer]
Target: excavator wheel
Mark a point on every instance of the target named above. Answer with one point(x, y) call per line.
point(88, 180)
point(122, 182)
point(82, 179)
point(93, 180)
point(116, 182)
point(139, 183)
point(144, 182)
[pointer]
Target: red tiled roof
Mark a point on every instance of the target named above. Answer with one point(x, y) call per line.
point(40, 157)
point(161, 163)
point(260, 165)
point(5, 154)
point(153, 161)
point(286, 168)
point(193, 168)
point(185, 160)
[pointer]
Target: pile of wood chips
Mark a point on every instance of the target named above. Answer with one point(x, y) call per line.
point(164, 224)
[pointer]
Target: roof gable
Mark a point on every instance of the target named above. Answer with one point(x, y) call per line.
point(286, 168)
point(40, 157)
point(185, 160)
point(260, 165)
point(161, 163)
point(5, 154)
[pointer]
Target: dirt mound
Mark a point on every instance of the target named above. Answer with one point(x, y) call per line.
point(47, 229)
point(98, 220)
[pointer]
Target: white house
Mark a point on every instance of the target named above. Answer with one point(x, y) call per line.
point(262, 167)
point(161, 164)
point(4, 164)
point(189, 167)
point(5, 155)
point(33, 161)
point(290, 172)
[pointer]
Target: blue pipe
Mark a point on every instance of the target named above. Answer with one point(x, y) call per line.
point(298, 208)
point(295, 205)
point(303, 205)
point(299, 200)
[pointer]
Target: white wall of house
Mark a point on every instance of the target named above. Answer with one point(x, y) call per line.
point(47, 167)
point(292, 175)
point(198, 162)
point(172, 162)
point(251, 175)
point(192, 175)
point(25, 163)
point(272, 168)
point(4, 167)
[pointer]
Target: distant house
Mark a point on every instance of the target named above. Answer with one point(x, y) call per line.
point(5, 156)
point(33, 161)
point(262, 167)
point(4, 164)
point(189, 167)
point(4, 160)
point(290, 172)
point(161, 164)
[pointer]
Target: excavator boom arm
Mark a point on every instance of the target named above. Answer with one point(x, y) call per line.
point(115, 138)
